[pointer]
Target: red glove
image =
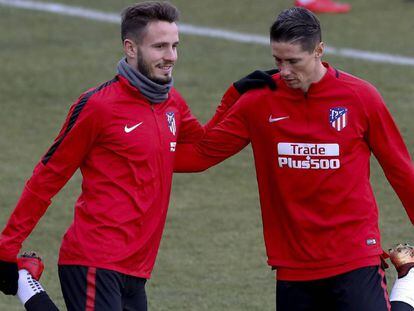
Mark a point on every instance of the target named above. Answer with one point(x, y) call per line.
point(32, 263)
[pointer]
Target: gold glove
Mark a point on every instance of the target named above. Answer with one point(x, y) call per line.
point(402, 257)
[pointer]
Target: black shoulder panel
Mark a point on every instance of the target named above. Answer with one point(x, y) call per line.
point(73, 117)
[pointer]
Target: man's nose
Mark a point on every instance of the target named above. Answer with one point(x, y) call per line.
point(284, 69)
point(171, 54)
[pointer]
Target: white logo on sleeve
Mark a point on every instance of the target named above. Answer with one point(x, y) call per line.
point(271, 120)
point(308, 156)
point(130, 129)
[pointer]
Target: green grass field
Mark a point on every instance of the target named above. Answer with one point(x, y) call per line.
point(212, 256)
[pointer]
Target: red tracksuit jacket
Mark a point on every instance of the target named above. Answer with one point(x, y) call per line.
point(312, 157)
point(124, 147)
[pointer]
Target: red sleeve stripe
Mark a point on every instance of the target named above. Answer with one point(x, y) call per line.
point(72, 119)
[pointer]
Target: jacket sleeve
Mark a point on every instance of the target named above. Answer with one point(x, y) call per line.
point(56, 167)
point(229, 98)
point(388, 146)
point(191, 130)
point(219, 142)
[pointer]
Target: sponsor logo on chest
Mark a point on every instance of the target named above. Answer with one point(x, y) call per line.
point(308, 156)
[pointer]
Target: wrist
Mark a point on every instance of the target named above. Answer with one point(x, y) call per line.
point(9, 254)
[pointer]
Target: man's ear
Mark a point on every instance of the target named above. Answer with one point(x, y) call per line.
point(319, 50)
point(130, 49)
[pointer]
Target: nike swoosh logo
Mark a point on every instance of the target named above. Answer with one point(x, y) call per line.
point(271, 120)
point(130, 129)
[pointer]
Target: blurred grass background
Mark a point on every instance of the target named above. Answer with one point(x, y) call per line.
point(212, 256)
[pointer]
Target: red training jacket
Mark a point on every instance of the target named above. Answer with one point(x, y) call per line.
point(124, 147)
point(312, 157)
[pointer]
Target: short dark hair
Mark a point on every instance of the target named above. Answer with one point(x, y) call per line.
point(297, 25)
point(135, 18)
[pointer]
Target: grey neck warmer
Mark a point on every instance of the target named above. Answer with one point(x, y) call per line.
point(154, 92)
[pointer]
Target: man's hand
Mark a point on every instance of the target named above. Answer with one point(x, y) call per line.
point(256, 79)
point(8, 277)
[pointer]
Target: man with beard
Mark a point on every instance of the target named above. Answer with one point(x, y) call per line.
point(123, 136)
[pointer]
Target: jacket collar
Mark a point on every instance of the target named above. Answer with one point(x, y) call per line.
point(133, 90)
point(330, 75)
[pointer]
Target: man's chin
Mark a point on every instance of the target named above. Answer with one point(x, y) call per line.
point(161, 80)
point(293, 84)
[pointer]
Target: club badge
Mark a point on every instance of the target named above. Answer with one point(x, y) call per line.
point(171, 122)
point(338, 118)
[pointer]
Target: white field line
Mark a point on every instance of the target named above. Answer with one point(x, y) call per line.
point(81, 12)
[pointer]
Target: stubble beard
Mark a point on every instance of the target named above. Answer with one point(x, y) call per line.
point(145, 70)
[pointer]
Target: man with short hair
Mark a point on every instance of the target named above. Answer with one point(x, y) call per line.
point(312, 140)
point(123, 136)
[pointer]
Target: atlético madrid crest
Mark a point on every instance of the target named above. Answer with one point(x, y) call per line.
point(171, 122)
point(338, 117)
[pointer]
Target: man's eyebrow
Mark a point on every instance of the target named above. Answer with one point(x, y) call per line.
point(289, 59)
point(165, 42)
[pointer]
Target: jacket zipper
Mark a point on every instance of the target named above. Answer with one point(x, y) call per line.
point(307, 112)
point(159, 155)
